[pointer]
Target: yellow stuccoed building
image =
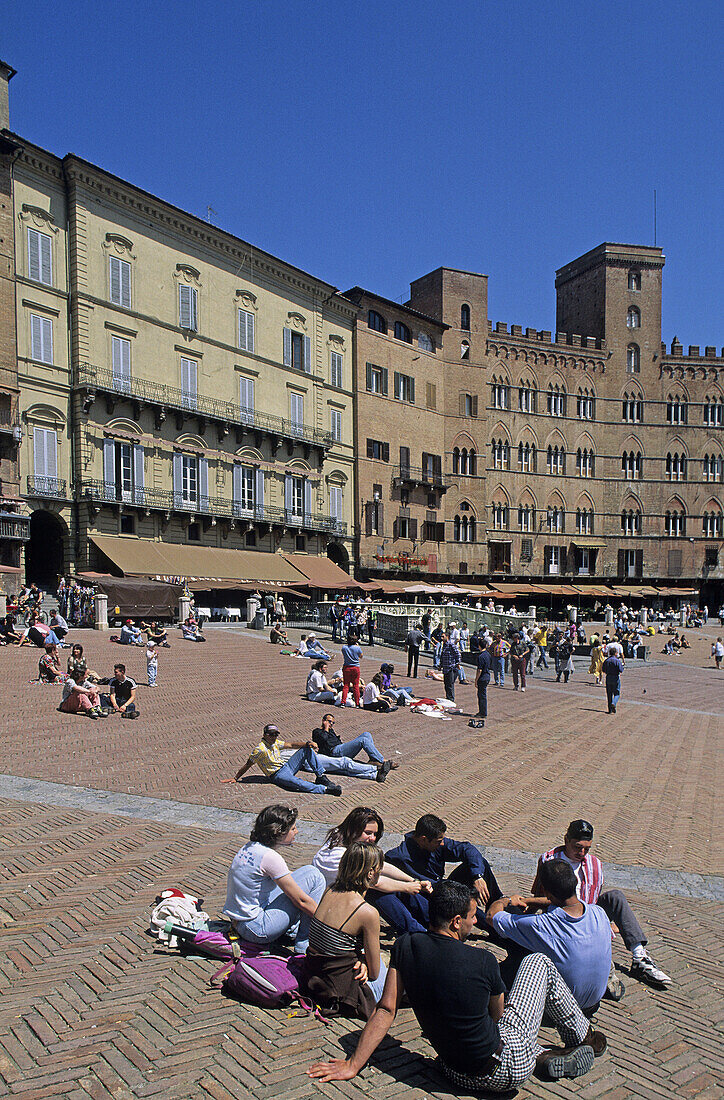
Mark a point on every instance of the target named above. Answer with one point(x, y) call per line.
point(178, 385)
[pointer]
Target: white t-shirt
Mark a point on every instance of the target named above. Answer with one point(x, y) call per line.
point(315, 682)
point(252, 878)
point(327, 861)
point(613, 649)
point(370, 694)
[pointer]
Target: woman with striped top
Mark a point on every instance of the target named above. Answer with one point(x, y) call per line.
point(344, 972)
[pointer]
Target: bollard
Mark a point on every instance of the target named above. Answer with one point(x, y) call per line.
point(532, 612)
point(100, 606)
point(184, 608)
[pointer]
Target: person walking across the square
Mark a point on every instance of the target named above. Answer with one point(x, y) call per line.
point(482, 679)
point(413, 642)
point(351, 657)
point(450, 665)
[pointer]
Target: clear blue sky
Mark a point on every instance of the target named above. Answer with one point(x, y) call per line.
point(370, 143)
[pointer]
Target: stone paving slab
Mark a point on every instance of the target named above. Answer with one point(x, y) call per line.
point(90, 1008)
point(649, 777)
point(642, 879)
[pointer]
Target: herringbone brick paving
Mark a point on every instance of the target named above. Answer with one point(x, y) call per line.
point(647, 777)
point(91, 1008)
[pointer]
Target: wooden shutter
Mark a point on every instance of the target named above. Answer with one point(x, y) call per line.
point(109, 469)
point(203, 483)
point(380, 520)
point(385, 452)
point(184, 306)
point(412, 391)
point(236, 476)
point(461, 404)
point(474, 404)
point(114, 271)
point(370, 448)
point(563, 567)
point(138, 473)
point(368, 380)
point(40, 268)
point(397, 390)
point(246, 330)
point(188, 382)
point(622, 563)
point(431, 395)
point(45, 453)
point(259, 494)
point(639, 563)
point(307, 355)
point(368, 519)
point(246, 397)
point(437, 466)
point(413, 529)
point(287, 347)
point(307, 499)
point(404, 460)
point(121, 360)
point(41, 338)
point(288, 493)
point(34, 255)
point(385, 381)
point(178, 474)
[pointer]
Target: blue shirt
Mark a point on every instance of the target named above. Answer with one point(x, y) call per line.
point(351, 655)
point(580, 947)
point(418, 863)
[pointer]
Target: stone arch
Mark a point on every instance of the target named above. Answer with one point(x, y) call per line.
point(337, 477)
point(675, 503)
point(500, 495)
point(632, 502)
point(633, 443)
point(713, 504)
point(122, 424)
point(529, 378)
point(677, 445)
point(500, 431)
point(338, 553)
point(529, 435)
point(584, 502)
point(48, 415)
point(585, 440)
point(47, 551)
point(298, 465)
point(528, 498)
point(555, 500)
point(555, 439)
point(249, 453)
point(466, 505)
point(464, 439)
point(188, 440)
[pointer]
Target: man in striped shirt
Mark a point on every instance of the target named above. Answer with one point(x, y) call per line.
point(576, 850)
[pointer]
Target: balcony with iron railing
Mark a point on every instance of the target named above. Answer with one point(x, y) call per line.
point(14, 527)
point(93, 379)
point(51, 488)
point(166, 500)
point(419, 475)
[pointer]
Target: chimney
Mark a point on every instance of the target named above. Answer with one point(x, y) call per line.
point(6, 75)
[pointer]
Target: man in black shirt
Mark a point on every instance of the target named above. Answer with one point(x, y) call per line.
point(328, 744)
point(482, 679)
point(413, 642)
point(456, 994)
point(123, 693)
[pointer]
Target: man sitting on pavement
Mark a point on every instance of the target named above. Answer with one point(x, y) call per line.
point(423, 855)
point(576, 850)
point(81, 698)
point(328, 744)
point(123, 693)
point(456, 994)
point(59, 626)
point(575, 937)
point(130, 634)
point(267, 755)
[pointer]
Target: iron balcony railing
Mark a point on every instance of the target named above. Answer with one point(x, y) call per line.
point(52, 487)
point(14, 527)
point(91, 378)
point(418, 475)
point(166, 500)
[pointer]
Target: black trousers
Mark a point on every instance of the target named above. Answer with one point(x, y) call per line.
point(482, 687)
point(413, 657)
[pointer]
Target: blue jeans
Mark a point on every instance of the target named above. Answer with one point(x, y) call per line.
point(322, 696)
point(304, 760)
point(541, 657)
point(499, 671)
point(342, 765)
point(613, 692)
point(400, 695)
point(356, 745)
point(281, 914)
point(396, 912)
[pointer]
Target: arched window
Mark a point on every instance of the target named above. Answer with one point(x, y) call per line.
point(526, 517)
point(456, 460)
point(633, 359)
point(556, 520)
point(714, 412)
point(630, 522)
point(526, 397)
point(712, 467)
point(465, 318)
point(633, 408)
point(526, 457)
point(464, 350)
point(632, 465)
point(675, 524)
point(556, 460)
point(585, 405)
point(584, 462)
point(500, 393)
point(424, 342)
point(472, 462)
point(402, 332)
point(713, 525)
point(456, 529)
point(676, 466)
point(677, 410)
point(634, 280)
point(556, 401)
point(584, 521)
point(633, 317)
point(500, 517)
point(501, 454)
point(376, 321)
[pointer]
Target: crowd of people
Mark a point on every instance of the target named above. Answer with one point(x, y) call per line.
point(481, 1017)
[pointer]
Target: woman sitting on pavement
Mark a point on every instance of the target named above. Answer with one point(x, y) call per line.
point(264, 899)
point(343, 971)
point(157, 634)
point(373, 699)
point(81, 699)
point(8, 634)
point(400, 695)
point(49, 670)
point(77, 667)
point(190, 631)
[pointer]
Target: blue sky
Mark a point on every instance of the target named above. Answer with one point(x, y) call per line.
point(370, 143)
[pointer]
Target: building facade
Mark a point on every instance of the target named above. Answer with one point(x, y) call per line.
point(591, 452)
point(176, 383)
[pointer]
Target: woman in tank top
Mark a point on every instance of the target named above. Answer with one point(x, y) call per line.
point(344, 972)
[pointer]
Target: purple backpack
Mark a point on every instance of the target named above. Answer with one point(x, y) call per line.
point(269, 981)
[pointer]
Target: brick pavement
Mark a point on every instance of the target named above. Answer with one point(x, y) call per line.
point(91, 1008)
point(647, 777)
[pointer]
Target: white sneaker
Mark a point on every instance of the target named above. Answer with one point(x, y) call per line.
point(522, 689)
point(645, 969)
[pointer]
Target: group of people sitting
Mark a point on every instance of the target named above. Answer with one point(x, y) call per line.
point(82, 695)
point(133, 635)
point(481, 1018)
point(35, 631)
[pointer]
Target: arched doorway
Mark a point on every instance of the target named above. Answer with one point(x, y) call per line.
point(339, 555)
point(45, 552)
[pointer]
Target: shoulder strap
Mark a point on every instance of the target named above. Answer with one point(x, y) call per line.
point(350, 916)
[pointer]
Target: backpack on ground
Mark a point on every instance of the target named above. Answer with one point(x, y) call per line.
point(269, 981)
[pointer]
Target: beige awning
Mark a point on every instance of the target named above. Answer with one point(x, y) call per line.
point(320, 572)
point(146, 558)
point(584, 543)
